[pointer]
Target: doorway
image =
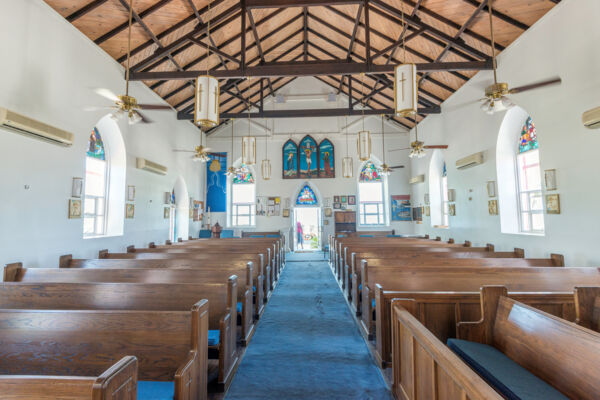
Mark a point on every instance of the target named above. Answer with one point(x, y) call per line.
point(309, 219)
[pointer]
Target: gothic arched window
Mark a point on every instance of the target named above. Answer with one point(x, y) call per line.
point(96, 185)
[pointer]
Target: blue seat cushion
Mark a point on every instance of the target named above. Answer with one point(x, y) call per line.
point(395, 236)
point(254, 288)
point(204, 234)
point(213, 337)
point(155, 390)
point(256, 236)
point(271, 236)
point(373, 303)
point(503, 374)
point(239, 306)
point(360, 286)
point(226, 233)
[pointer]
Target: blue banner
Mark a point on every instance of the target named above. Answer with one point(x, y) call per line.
point(216, 183)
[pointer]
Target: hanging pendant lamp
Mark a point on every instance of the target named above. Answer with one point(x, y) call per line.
point(248, 146)
point(405, 82)
point(265, 165)
point(231, 171)
point(347, 167)
point(385, 169)
point(364, 136)
point(206, 109)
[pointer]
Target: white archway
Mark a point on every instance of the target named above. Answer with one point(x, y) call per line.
point(506, 156)
point(182, 205)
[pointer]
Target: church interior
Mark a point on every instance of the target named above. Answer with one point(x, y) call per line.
point(279, 199)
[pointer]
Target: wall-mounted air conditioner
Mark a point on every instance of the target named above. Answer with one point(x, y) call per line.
point(591, 118)
point(23, 125)
point(470, 161)
point(417, 179)
point(150, 166)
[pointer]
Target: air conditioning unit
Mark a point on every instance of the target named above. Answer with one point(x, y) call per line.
point(150, 166)
point(417, 179)
point(591, 118)
point(23, 125)
point(470, 161)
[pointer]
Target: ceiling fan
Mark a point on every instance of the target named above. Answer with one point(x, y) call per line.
point(417, 148)
point(125, 105)
point(496, 95)
point(200, 153)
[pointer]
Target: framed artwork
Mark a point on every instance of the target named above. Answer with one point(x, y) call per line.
point(552, 204)
point(308, 164)
point(451, 195)
point(452, 209)
point(77, 187)
point(493, 207)
point(328, 212)
point(343, 199)
point(130, 193)
point(417, 214)
point(426, 198)
point(167, 197)
point(351, 200)
point(550, 179)
point(326, 222)
point(167, 212)
point(326, 159)
point(401, 210)
point(129, 210)
point(336, 199)
point(198, 207)
point(337, 206)
point(327, 202)
point(427, 211)
point(74, 209)
point(491, 188)
point(286, 212)
point(290, 160)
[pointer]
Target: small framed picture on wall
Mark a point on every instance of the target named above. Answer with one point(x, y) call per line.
point(77, 187)
point(130, 193)
point(351, 200)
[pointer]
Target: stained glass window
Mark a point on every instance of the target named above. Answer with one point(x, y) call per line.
point(306, 197)
point(96, 146)
point(369, 173)
point(528, 139)
point(243, 176)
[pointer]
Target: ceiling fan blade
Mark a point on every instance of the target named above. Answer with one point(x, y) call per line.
point(436, 146)
point(183, 151)
point(97, 108)
point(405, 148)
point(145, 120)
point(524, 88)
point(108, 94)
point(397, 166)
point(154, 107)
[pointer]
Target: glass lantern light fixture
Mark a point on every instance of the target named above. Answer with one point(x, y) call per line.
point(347, 167)
point(206, 107)
point(265, 165)
point(385, 169)
point(248, 145)
point(363, 143)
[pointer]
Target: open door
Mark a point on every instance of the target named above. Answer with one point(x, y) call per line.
point(307, 228)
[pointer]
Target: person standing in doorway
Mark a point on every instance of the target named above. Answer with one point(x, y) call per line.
point(300, 233)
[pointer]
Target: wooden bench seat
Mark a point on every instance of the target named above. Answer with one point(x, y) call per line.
point(222, 298)
point(84, 343)
point(118, 382)
point(217, 270)
point(459, 279)
point(560, 353)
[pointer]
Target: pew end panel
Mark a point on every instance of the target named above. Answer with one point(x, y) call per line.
point(558, 260)
point(12, 271)
point(118, 382)
point(424, 368)
point(587, 307)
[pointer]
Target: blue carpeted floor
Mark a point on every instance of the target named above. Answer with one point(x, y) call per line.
point(306, 344)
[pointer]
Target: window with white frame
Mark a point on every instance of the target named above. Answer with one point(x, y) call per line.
point(529, 181)
point(243, 199)
point(96, 187)
point(371, 207)
point(445, 203)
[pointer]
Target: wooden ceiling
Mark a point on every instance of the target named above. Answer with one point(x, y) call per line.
point(334, 39)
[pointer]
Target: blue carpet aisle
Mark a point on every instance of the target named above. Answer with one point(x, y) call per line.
point(306, 344)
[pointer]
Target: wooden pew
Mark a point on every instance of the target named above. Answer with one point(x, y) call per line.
point(559, 352)
point(587, 305)
point(440, 311)
point(82, 343)
point(424, 366)
point(222, 297)
point(252, 305)
point(459, 279)
point(119, 381)
point(261, 274)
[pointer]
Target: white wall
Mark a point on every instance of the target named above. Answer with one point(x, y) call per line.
point(318, 128)
point(563, 43)
point(48, 71)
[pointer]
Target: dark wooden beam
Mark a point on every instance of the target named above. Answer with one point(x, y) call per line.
point(506, 18)
point(215, 50)
point(296, 3)
point(243, 42)
point(367, 34)
point(310, 68)
point(305, 32)
point(85, 9)
point(258, 44)
point(310, 113)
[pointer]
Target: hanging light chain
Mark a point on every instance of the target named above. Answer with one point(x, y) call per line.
point(208, 39)
point(492, 40)
point(129, 47)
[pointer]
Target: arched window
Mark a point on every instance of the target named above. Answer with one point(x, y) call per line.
point(371, 196)
point(531, 205)
point(96, 187)
point(306, 197)
point(243, 198)
point(445, 204)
